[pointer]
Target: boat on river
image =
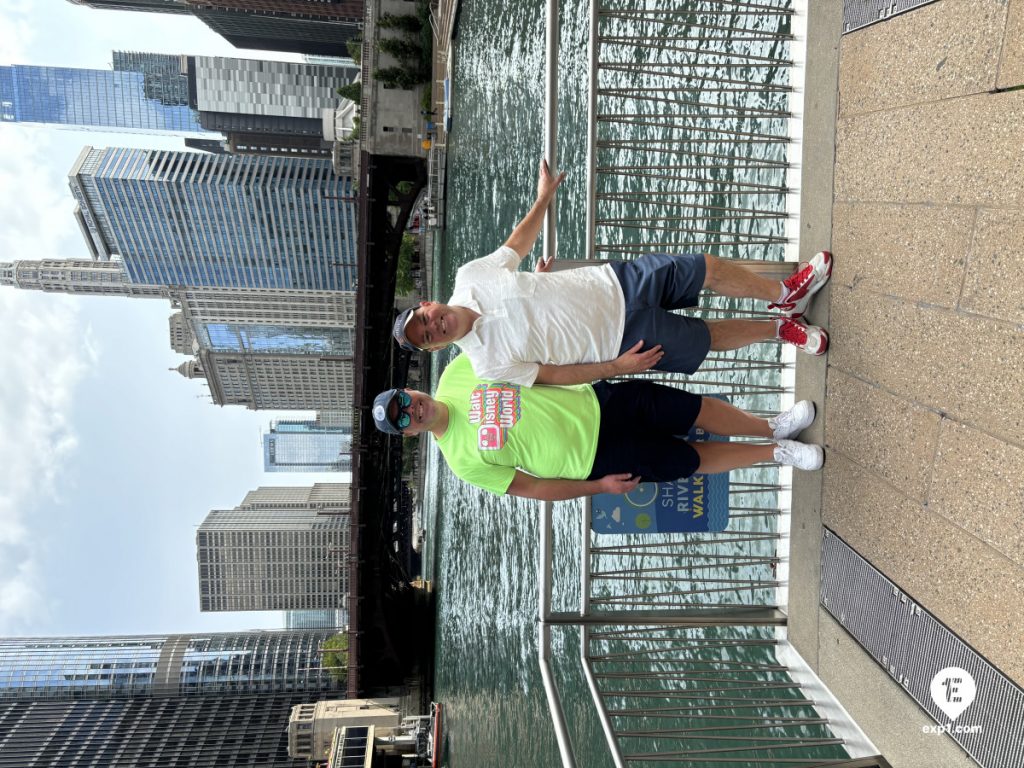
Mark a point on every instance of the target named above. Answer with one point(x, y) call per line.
point(416, 742)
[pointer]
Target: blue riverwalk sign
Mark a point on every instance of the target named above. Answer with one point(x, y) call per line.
point(697, 503)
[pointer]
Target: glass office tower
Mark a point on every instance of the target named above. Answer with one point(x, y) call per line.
point(324, 619)
point(160, 701)
point(305, 446)
point(153, 6)
point(190, 219)
point(145, 93)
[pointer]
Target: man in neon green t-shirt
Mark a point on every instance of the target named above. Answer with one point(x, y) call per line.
point(556, 443)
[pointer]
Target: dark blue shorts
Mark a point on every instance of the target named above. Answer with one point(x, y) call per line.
point(643, 430)
point(652, 285)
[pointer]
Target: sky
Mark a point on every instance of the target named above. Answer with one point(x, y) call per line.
point(108, 460)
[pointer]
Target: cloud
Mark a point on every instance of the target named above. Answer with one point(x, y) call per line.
point(20, 598)
point(15, 21)
point(44, 354)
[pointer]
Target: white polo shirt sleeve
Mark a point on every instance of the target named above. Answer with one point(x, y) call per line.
point(504, 258)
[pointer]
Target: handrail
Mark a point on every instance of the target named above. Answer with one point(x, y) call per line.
point(550, 242)
point(544, 636)
point(592, 74)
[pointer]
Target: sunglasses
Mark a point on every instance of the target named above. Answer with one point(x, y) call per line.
point(403, 419)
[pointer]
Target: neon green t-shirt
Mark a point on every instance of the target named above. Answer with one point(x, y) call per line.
point(495, 428)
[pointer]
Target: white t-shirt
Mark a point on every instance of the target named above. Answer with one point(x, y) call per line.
point(528, 318)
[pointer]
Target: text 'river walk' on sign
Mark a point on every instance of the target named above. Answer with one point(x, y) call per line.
point(697, 503)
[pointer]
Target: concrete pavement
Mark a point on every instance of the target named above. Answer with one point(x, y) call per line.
point(924, 383)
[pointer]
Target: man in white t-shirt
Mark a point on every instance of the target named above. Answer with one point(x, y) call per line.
point(581, 325)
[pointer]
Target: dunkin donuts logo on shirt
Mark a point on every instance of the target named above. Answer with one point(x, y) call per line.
point(496, 409)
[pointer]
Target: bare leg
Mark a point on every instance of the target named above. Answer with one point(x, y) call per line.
point(733, 334)
point(722, 457)
point(728, 279)
point(721, 418)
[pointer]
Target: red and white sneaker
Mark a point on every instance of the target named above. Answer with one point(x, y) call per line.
point(809, 338)
point(803, 284)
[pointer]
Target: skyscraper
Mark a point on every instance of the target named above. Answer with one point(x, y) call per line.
point(267, 107)
point(340, 418)
point(305, 446)
point(188, 219)
point(302, 26)
point(272, 381)
point(81, 276)
point(280, 549)
point(315, 619)
point(296, 93)
point(206, 306)
point(261, 348)
point(202, 701)
point(145, 92)
point(153, 6)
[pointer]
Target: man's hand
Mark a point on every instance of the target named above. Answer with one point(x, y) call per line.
point(546, 183)
point(525, 234)
point(635, 361)
point(544, 265)
point(630, 361)
point(619, 484)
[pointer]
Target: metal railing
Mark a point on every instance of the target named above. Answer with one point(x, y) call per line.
point(687, 668)
point(690, 136)
point(693, 140)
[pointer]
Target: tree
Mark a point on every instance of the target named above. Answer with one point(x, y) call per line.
point(352, 92)
point(410, 452)
point(403, 50)
point(404, 283)
point(355, 50)
point(334, 658)
point(398, 77)
point(405, 22)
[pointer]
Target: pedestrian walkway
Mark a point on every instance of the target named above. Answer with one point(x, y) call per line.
point(924, 418)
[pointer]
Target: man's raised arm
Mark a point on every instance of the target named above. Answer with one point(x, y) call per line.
point(546, 489)
point(525, 234)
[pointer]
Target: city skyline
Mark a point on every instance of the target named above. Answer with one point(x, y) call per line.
point(197, 699)
point(79, 485)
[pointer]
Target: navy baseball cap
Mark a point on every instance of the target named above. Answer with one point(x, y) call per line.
point(399, 330)
point(381, 406)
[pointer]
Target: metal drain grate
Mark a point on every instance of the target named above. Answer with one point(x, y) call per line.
point(861, 13)
point(913, 646)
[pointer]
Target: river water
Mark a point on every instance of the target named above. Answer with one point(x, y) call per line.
point(483, 554)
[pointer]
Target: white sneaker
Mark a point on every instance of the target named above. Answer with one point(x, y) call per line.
point(792, 422)
point(800, 455)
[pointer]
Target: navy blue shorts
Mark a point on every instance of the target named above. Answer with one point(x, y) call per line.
point(643, 430)
point(652, 285)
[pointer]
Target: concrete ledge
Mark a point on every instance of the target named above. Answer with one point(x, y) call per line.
point(824, 28)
